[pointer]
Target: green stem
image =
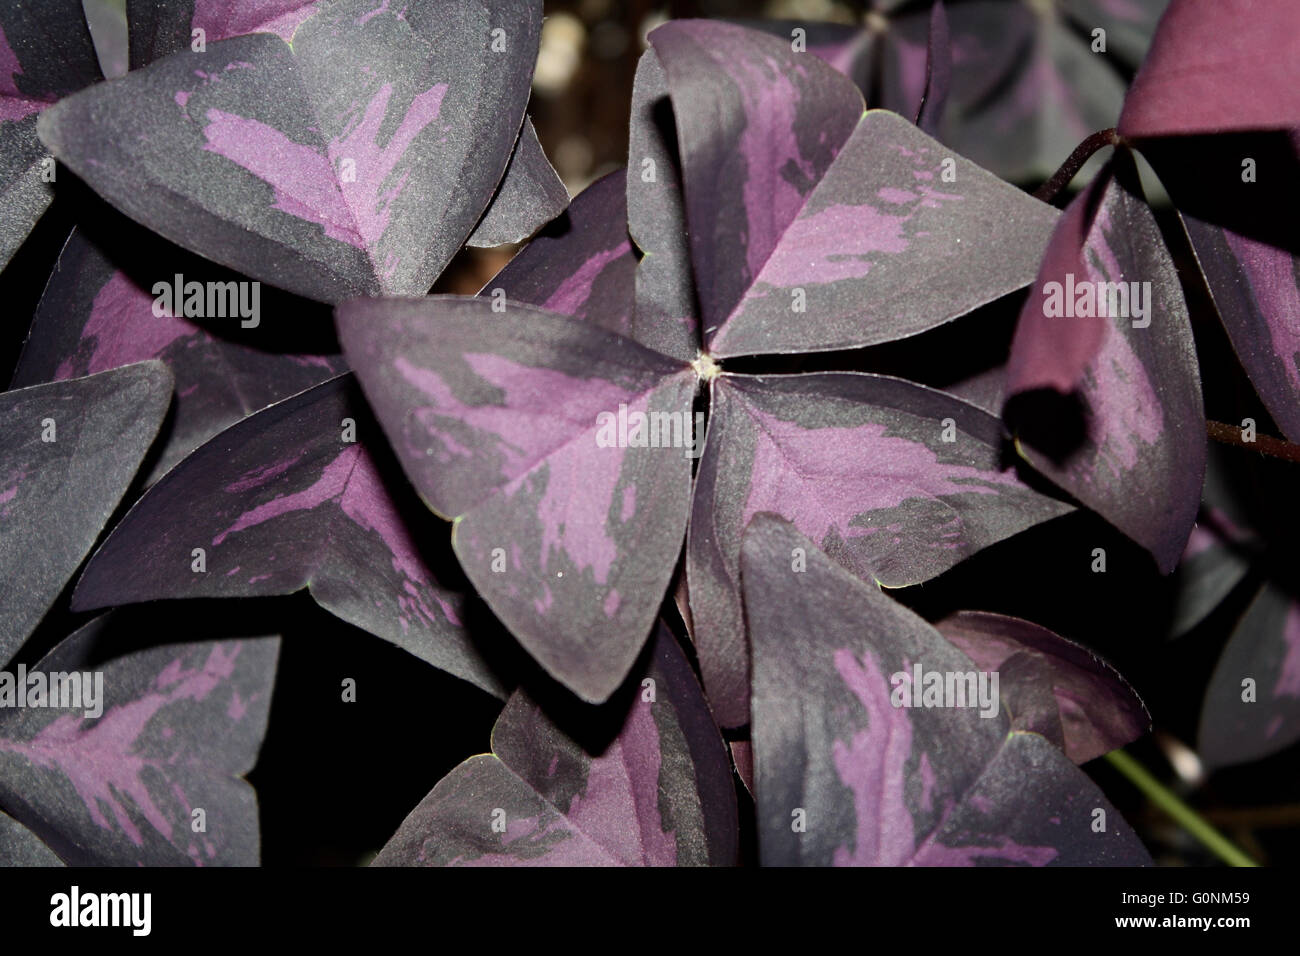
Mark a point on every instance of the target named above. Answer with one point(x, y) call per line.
point(1184, 815)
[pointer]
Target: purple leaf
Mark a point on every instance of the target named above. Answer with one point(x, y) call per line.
point(70, 451)
point(938, 72)
point(643, 781)
point(847, 48)
point(107, 22)
point(1252, 706)
point(1051, 686)
point(1106, 324)
point(530, 196)
point(667, 313)
point(840, 240)
point(1217, 558)
point(861, 464)
point(171, 731)
point(505, 422)
point(758, 125)
point(281, 501)
point(355, 162)
point(1129, 24)
point(19, 846)
point(1214, 67)
point(1026, 85)
point(582, 265)
point(45, 53)
point(1248, 254)
point(847, 775)
point(95, 316)
point(162, 27)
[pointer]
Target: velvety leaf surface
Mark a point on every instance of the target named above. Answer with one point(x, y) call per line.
point(758, 125)
point(667, 311)
point(845, 237)
point(530, 195)
point(281, 501)
point(1241, 722)
point(1218, 66)
point(878, 784)
point(1133, 449)
point(70, 451)
point(656, 791)
point(847, 48)
point(180, 725)
point(1051, 687)
point(582, 265)
point(45, 53)
point(355, 162)
point(859, 463)
point(1248, 253)
point(162, 27)
point(94, 316)
point(884, 248)
point(504, 422)
point(19, 846)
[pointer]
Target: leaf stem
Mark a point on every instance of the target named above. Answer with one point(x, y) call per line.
point(1264, 444)
point(1185, 816)
point(1070, 168)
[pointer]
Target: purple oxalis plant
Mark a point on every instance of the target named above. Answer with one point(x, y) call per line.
point(660, 397)
point(800, 221)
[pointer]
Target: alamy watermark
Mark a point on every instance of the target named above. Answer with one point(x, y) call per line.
point(209, 300)
point(1086, 299)
point(925, 688)
point(626, 429)
point(75, 690)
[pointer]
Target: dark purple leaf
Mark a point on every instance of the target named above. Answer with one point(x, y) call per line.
point(1252, 706)
point(938, 72)
point(530, 196)
point(95, 316)
point(1250, 256)
point(171, 732)
point(107, 22)
point(1216, 559)
point(1213, 67)
point(873, 783)
point(45, 53)
point(281, 501)
point(1051, 686)
point(806, 242)
point(1129, 24)
point(758, 126)
point(1106, 324)
point(354, 163)
point(847, 48)
point(1026, 85)
point(667, 313)
point(504, 423)
point(163, 27)
point(70, 451)
point(643, 781)
point(582, 265)
point(19, 846)
point(861, 465)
